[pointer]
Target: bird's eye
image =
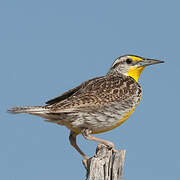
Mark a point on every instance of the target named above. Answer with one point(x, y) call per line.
point(128, 61)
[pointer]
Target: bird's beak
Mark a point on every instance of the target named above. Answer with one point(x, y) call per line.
point(148, 62)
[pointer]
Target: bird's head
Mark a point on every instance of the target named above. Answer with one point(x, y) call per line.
point(131, 65)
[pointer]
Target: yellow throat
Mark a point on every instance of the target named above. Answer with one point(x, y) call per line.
point(135, 72)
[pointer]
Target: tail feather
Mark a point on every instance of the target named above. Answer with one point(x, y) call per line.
point(28, 109)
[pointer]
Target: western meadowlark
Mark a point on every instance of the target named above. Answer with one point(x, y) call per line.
point(97, 105)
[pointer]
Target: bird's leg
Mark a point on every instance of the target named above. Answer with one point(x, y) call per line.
point(86, 133)
point(72, 139)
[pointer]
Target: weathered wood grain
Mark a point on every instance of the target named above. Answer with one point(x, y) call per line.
point(105, 164)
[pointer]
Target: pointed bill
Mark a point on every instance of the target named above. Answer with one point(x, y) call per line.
point(148, 62)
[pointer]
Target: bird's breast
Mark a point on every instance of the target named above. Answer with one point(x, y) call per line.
point(119, 118)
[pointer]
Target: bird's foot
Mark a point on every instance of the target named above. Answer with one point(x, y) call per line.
point(110, 145)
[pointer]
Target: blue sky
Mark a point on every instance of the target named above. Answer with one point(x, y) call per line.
point(48, 47)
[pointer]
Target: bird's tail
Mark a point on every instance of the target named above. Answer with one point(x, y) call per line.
point(35, 110)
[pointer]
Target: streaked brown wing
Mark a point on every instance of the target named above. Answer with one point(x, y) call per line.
point(100, 91)
point(68, 93)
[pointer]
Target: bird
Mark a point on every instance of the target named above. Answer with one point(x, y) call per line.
point(96, 105)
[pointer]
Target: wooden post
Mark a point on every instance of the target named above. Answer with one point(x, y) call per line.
point(105, 164)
